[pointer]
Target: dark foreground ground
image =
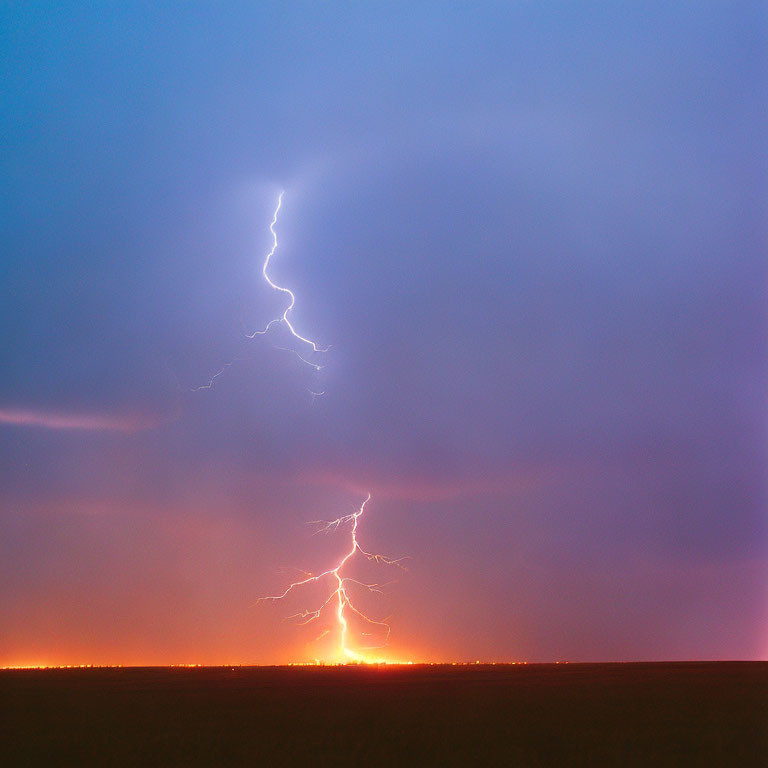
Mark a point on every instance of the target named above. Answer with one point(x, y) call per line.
point(555, 715)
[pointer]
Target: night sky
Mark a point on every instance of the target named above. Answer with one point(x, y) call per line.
point(534, 235)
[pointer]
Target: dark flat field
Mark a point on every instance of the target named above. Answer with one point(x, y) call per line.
point(534, 715)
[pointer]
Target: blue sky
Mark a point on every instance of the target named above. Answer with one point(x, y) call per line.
point(534, 237)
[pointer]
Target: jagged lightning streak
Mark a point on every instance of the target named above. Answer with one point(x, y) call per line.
point(281, 319)
point(284, 317)
point(340, 594)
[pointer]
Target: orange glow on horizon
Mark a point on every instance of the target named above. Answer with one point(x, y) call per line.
point(313, 663)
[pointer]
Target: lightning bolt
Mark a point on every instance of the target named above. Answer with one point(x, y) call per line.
point(339, 595)
point(281, 319)
point(339, 583)
point(292, 297)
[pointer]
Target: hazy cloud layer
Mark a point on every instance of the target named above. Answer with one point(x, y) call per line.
point(534, 239)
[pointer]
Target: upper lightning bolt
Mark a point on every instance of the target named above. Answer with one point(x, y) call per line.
point(282, 318)
point(264, 271)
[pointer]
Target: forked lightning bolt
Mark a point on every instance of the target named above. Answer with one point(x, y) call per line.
point(339, 583)
point(284, 317)
point(339, 594)
point(280, 319)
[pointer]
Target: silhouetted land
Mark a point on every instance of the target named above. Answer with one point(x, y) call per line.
point(535, 715)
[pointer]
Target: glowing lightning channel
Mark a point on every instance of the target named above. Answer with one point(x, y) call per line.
point(281, 319)
point(340, 594)
point(284, 317)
